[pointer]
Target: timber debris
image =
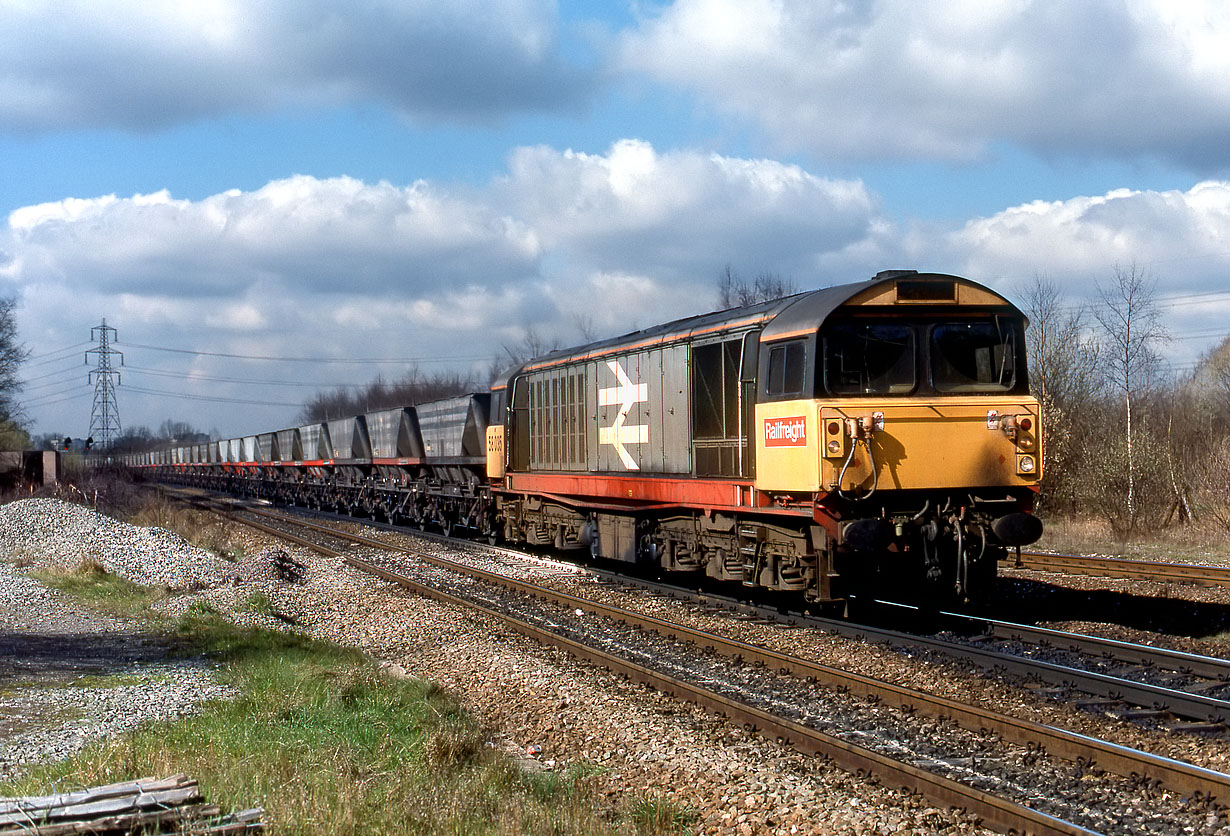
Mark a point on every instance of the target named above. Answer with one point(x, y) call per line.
point(147, 805)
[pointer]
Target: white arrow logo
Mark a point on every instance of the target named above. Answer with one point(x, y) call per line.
point(625, 394)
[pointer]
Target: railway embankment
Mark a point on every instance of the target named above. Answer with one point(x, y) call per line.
point(573, 735)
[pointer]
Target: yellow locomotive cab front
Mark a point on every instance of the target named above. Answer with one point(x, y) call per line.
point(900, 416)
point(860, 445)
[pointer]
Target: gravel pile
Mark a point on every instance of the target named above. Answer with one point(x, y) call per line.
point(54, 533)
point(69, 675)
point(25, 604)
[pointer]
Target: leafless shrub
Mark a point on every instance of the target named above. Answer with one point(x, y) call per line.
point(1212, 486)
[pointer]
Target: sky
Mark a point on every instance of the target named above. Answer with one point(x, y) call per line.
point(267, 198)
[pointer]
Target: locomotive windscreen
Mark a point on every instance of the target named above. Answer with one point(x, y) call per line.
point(974, 356)
point(876, 358)
point(891, 357)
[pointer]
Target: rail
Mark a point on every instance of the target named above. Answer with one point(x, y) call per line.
point(1121, 567)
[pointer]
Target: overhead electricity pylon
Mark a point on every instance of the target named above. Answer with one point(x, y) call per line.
point(105, 414)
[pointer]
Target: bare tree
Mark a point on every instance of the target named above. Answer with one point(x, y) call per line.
point(1066, 377)
point(411, 388)
point(1063, 353)
point(181, 431)
point(136, 439)
point(533, 344)
point(1213, 374)
point(1199, 423)
point(584, 323)
point(12, 355)
point(736, 292)
point(1131, 325)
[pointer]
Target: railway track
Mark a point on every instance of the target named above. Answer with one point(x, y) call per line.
point(780, 718)
point(1187, 685)
point(1120, 567)
point(1189, 692)
point(1181, 692)
point(1178, 691)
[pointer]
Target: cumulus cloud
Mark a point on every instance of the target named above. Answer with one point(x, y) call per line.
point(901, 79)
point(311, 235)
point(637, 209)
point(1179, 239)
point(145, 66)
point(1183, 234)
point(554, 216)
point(565, 242)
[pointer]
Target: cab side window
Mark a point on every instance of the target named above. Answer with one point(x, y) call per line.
point(787, 362)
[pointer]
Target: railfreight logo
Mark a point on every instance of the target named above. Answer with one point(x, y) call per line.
point(785, 432)
point(620, 433)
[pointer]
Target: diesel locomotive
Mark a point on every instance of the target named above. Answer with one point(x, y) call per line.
point(857, 440)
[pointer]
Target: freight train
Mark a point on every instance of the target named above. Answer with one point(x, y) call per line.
point(857, 440)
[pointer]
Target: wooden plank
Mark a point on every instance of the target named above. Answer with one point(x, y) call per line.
point(123, 808)
point(111, 806)
point(121, 824)
point(84, 796)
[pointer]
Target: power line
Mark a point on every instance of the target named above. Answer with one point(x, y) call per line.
point(209, 398)
point(64, 389)
point(60, 354)
point(356, 361)
point(59, 373)
point(61, 400)
point(243, 380)
point(66, 349)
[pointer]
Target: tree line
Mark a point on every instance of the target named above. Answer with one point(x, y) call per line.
point(1126, 438)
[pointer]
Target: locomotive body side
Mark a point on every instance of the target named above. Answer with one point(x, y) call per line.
point(616, 445)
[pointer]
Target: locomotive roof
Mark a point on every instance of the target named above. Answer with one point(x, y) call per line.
point(786, 317)
point(891, 288)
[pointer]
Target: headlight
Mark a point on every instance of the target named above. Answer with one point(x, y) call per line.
point(1025, 464)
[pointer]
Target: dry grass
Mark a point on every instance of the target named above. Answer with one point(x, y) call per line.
point(200, 528)
point(1178, 543)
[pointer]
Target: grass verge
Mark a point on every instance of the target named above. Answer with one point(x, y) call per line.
point(327, 744)
point(93, 584)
